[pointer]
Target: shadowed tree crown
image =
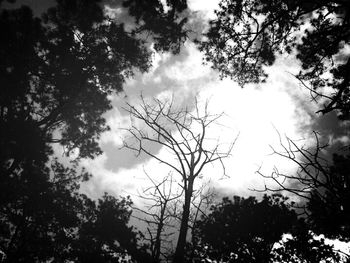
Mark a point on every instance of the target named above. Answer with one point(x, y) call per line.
point(58, 71)
point(248, 230)
point(57, 74)
point(244, 229)
point(247, 35)
point(330, 207)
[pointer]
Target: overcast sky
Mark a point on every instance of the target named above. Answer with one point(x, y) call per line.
point(256, 113)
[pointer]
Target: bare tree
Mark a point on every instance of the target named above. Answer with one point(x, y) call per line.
point(183, 133)
point(158, 198)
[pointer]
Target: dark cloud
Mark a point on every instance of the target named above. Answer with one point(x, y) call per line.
point(38, 6)
point(124, 158)
point(329, 128)
point(330, 131)
point(329, 124)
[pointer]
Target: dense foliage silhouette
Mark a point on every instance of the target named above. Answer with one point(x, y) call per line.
point(244, 230)
point(248, 230)
point(50, 220)
point(104, 235)
point(247, 35)
point(303, 246)
point(320, 182)
point(329, 207)
point(57, 73)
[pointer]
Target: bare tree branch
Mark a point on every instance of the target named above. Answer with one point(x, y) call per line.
point(183, 133)
point(312, 176)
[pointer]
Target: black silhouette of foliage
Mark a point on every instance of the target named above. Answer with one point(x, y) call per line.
point(244, 230)
point(36, 213)
point(304, 247)
point(48, 219)
point(167, 26)
point(104, 235)
point(247, 35)
point(248, 230)
point(57, 74)
point(329, 210)
point(322, 185)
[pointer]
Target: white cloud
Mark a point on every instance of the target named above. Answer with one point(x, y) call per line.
point(205, 6)
point(189, 69)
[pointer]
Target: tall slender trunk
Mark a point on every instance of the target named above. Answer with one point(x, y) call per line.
point(179, 256)
point(157, 246)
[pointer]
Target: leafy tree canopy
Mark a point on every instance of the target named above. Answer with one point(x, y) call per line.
point(303, 246)
point(39, 210)
point(321, 185)
point(46, 218)
point(57, 74)
point(245, 230)
point(167, 26)
point(329, 207)
point(104, 235)
point(248, 230)
point(247, 35)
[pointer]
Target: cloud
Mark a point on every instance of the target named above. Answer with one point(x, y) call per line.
point(122, 183)
point(205, 7)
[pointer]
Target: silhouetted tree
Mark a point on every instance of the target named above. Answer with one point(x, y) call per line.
point(157, 213)
point(35, 220)
point(104, 236)
point(183, 134)
point(247, 35)
point(57, 73)
point(330, 211)
point(166, 26)
point(248, 230)
point(319, 183)
point(48, 219)
point(244, 230)
point(304, 246)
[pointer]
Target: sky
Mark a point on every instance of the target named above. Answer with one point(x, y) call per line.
point(257, 114)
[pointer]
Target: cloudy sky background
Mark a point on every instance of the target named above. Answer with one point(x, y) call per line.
point(256, 113)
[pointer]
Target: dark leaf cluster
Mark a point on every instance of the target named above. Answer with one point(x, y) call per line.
point(45, 218)
point(57, 74)
point(329, 208)
point(248, 230)
point(247, 35)
point(166, 26)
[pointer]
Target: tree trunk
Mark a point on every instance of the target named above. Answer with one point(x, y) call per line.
point(179, 256)
point(157, 246)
